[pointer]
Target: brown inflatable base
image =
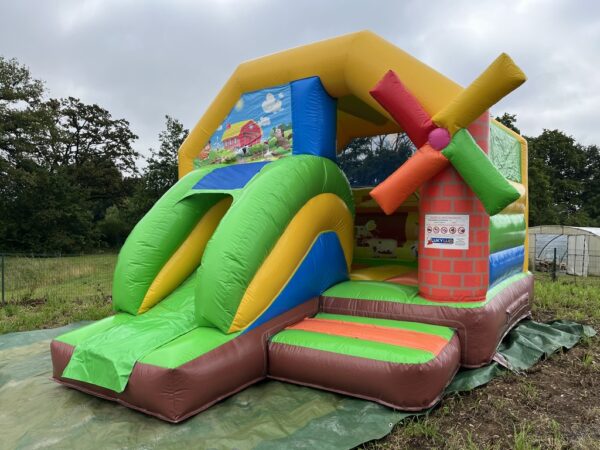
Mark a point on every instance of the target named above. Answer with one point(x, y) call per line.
point(410, 387)
point(480, 330)
point(177, 394)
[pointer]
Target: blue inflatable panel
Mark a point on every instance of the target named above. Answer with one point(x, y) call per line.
point(322, 267)
point(230, 177)
point(506, 263)
point(314, 117)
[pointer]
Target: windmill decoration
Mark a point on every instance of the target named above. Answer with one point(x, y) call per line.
point(443, 139)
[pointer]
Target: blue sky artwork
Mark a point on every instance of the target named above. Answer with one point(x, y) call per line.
point(267, 107)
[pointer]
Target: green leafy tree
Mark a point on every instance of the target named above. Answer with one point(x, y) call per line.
point(17, 84)
point(62, 164)
point(509, 121)
point(22, 123)
point(162, 168)
point(114, 227)
point(46, 214)
point(540, 195)
point(82, 133)
point(564, 178)
point(96, 149)
point(591, 191)
point(160, 174)
point(368, 161)
point(559, 166)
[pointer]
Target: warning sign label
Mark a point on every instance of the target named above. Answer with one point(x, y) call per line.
point(447, 231)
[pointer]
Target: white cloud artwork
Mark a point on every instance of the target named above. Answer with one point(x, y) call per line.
point(264, 121)
point(271, 104)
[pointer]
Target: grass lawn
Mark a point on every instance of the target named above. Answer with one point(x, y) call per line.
point(50, 292)
point(555, 405)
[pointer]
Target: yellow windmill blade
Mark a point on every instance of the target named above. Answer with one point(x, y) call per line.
point(500, 78)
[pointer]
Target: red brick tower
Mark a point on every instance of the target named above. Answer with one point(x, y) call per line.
point(455, 275)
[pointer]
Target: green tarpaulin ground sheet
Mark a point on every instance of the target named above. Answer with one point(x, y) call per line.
point(37, 413)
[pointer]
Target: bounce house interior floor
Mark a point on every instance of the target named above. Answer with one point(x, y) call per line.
point(391, 273)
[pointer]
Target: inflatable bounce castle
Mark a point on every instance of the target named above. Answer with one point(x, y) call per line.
point(263, 262)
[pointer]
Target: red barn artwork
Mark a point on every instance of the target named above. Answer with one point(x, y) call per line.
point(241, 134)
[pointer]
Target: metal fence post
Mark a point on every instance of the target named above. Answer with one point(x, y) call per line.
point(3, 291)
point(554, 266)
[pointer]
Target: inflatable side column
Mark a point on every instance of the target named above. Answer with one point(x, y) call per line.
point(448, 274)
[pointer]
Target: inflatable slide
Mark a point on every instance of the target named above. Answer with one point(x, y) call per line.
point(262, 261)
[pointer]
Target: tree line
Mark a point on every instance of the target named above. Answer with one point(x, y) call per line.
point(71, 180)
point(564, 178)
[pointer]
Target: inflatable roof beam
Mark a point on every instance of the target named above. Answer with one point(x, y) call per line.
point(348, 67)
point(443, 139)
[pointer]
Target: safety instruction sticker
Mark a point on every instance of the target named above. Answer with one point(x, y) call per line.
point(447, 231)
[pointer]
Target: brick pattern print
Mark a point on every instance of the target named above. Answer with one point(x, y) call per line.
point(455, 275)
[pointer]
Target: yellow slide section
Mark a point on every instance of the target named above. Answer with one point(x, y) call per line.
point(186, 258)
point(325, 212)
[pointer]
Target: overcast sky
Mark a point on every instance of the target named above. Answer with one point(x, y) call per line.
point(142, 59)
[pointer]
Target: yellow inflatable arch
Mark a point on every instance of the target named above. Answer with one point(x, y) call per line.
point(348, 66)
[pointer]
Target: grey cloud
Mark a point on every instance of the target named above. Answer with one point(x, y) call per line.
point(143, 59)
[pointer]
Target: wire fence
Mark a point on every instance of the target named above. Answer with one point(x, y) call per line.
point(31, 278)
point(576, 255)
point(580, 264)
point(39, 278)
point(565, 278)
point(576, 266)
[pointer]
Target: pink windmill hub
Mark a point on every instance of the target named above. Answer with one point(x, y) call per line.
point(439, 138)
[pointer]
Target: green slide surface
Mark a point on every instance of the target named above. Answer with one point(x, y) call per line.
point(106, 352)
point(156, 237)
point(173, 332)
point(107, 359)
point(259, 215)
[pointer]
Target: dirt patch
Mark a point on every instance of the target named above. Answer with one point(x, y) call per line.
point(30, 302)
